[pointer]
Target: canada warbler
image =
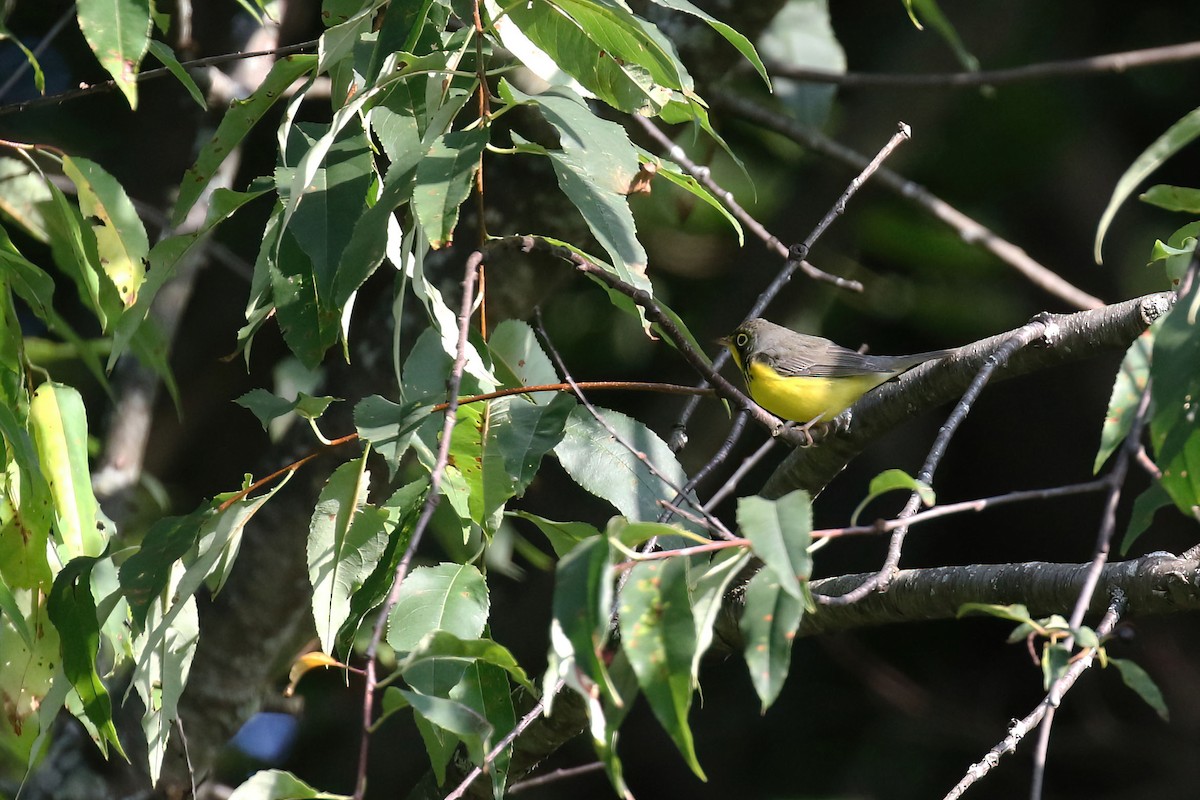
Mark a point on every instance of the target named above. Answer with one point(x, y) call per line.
point(806, 378)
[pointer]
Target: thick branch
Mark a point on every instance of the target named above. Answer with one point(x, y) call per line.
point(1159, 583)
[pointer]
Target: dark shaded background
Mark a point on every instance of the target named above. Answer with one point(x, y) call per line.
point(892, 713)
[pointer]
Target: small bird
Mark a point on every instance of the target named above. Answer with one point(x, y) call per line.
point(806, 378)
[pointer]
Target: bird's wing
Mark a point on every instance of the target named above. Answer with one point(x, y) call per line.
point(834, 361)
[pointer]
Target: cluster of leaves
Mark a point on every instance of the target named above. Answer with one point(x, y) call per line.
point(384, 179)
point(383, 183)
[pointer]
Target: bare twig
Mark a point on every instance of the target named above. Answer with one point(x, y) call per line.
point(730, 486)
point(566, 773)
point(970, 230)
point(1082, 67)
point(431, 500)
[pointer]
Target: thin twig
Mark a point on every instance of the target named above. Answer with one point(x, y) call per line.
point(1018, 339)
point(431, 501)
point(1082, 67)
point(730, 486)
point(566, 773)
point(971, 231)
point(151, 74)
point(704, 175)
point(1020, 728)
point(982, 504)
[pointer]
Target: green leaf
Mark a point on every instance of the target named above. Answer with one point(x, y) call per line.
point(732, 36)
point(579, 627)
point(780, 533)
point(485, 689)
point(892, 480)
point(709, 583)
point(1015, 612)
point(1140, 681)
point(519, 434)
point(1173, 198)
point(519, 360)
point(1056, 657)
point(346, 538)
point(458, 718)
point(59, 426)
point(121, 240)
point(596, 167)
point(1176, 138)
point(769, 623)
point(335, 196)
point(445, 178)
point(1126, 395)
point(25, 512)
point(118, 31)
point(73, 612)
point(39, 78)
point(449, 597)
point(444, 645)
point(389, 427)
point(167, 56)
point(1142, 514)
point(1175, 385)
point(165, 258)
point(235, 124)
point(163, 674)
point(23, 194)
point(145, 574)
point(606, 51)
point(276, 784)
point(403, 509)
point(563, 536)
point(600, 464)
point(659, 637)
point(309, 326)
point(929, 11)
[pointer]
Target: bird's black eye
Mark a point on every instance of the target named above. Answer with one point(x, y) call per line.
point(741, 339)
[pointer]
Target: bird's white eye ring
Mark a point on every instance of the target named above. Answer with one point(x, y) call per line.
point(741, 340)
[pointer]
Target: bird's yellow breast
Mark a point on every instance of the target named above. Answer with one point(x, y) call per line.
point(804, 399)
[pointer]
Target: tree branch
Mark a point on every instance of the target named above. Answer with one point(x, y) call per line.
point(1070, 337)
point(1082, 67)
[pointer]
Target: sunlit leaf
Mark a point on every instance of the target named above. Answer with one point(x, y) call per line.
point(275, 784)
point(235, 124)
point(59, 426)
point(449, 597)
point(1173, 198)
point(346, 538)
point(118, 31)
point(1127, 392)
point(445, 178)
point(599, 463)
